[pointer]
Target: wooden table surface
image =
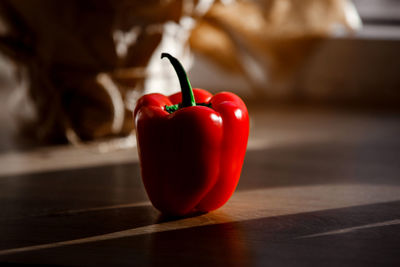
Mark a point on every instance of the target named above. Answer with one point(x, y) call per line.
point(318, 188)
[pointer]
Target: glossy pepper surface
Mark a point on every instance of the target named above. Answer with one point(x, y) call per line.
point(191, 146)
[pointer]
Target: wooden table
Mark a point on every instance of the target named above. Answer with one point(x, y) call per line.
point(318, 188)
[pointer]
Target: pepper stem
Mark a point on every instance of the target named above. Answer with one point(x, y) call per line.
point(186, 89)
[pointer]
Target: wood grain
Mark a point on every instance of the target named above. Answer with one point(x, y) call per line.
point(317, 188)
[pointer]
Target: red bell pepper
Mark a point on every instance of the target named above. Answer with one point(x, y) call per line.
point(191, 146)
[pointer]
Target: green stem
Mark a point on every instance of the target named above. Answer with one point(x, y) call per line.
point(186, 88)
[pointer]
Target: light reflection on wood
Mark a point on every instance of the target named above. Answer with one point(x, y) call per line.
point(249, 205)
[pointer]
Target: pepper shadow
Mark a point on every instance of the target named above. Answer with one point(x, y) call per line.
point(57, 227)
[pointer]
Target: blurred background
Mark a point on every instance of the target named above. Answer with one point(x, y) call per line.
point(71, 71)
